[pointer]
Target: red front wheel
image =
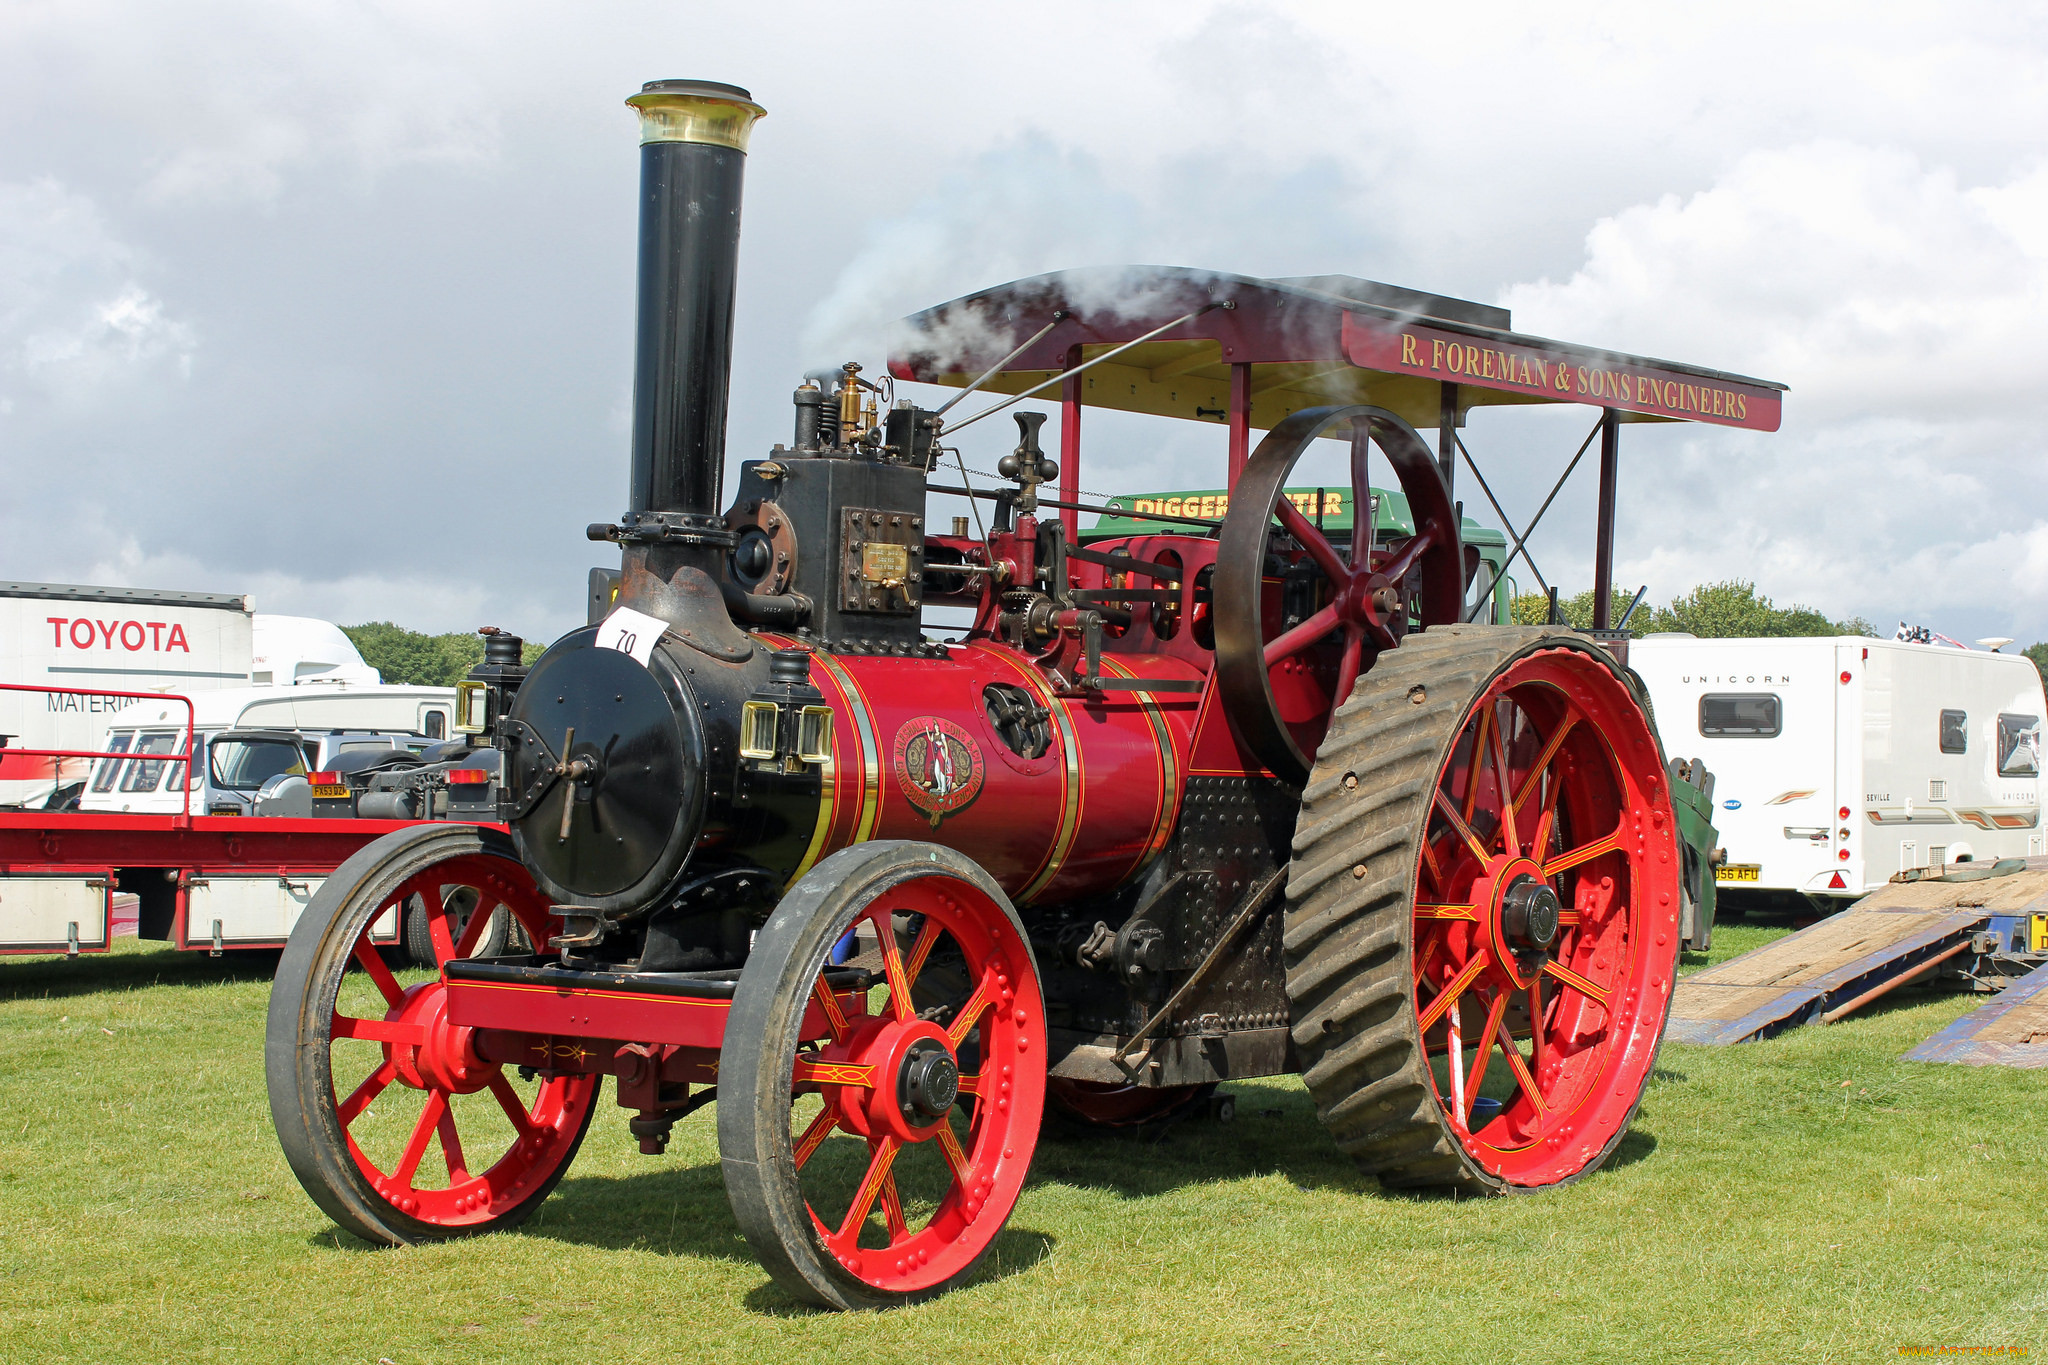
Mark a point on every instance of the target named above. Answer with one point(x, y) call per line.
point(876, 1125)
point(387, 1115)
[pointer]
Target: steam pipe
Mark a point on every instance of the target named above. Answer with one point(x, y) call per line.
point(693, 145)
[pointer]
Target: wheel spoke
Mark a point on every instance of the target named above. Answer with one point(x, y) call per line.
point(1535, 1003)
point(1584, 853)
point(1428, 957)
point(814, 1136)
point(1347, 666)
point(373, 967)
point(1523, 1079)
point(983, 997)
point(1494, 1014)
point(1454, 1047)
point(892, 1211)
point(870, 1186)
point(1546, 825)
point(1451, 991)
point(1510, 841)
point(479, 922)
point(422, 1132)
point(1427, 910)
point(378, 1030)
point(1565, 976)
point(828, 1005)
point(1464, 831)
point(956, 1160)
point(1436, 872)
point(834, 1073)
point(1302, 636)
point(1396, 568)
point(970, 1085)
point(437, 922)
point(360, 1098)
point(927, 939)
point(892, 967)
point(1319, 548)
point(1475, 765)
point(451, 1146)
point(514, 1107)
point(1543, 758)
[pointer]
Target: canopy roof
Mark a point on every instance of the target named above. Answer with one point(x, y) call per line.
point(1302, 342)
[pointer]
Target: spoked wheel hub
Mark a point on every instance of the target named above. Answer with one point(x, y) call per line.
point(1528, 915)
point(434, 1054)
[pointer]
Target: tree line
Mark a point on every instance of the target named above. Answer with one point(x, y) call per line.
point(408, 656)
point(1719, 611)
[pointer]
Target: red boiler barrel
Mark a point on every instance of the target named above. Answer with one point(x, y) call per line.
point(916, 756)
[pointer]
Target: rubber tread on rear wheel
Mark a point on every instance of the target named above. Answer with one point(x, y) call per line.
point(1352, 975)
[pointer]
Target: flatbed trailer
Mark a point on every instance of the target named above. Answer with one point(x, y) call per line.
point(203, 882)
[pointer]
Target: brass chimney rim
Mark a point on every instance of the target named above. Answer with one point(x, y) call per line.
point(709, 112)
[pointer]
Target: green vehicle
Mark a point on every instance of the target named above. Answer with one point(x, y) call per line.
point(1486, 550)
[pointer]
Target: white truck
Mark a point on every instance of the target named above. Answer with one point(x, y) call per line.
point(136, 640)
point(1841, 761)
point(109, 639)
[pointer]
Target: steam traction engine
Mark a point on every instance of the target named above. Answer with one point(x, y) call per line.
point(1233, 797)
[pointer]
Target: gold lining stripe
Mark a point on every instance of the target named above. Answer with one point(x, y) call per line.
point(828, 785)
point(1169, 773)
point(870, 751)
point(1070, 798)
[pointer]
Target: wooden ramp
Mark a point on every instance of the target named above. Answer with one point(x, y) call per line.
point(1892, 934)
point(2010, 1031)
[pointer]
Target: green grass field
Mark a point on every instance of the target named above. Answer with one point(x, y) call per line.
point(1811, 1198)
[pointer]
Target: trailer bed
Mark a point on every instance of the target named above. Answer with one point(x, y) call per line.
point(1884, 940)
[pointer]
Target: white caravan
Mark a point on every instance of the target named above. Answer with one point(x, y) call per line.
point(110, 639)
point(1841, 761)
point(398, 714)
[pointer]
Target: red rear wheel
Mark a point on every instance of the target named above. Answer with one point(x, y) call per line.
point(388, 1116)
point(1486, 894)
point(876, 1130)
point(1545, 913)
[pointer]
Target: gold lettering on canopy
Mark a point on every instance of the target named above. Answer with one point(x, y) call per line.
point(1558, 373)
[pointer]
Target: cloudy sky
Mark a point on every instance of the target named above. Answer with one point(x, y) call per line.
point(331, 303)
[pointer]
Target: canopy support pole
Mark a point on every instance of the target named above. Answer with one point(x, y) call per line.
point(1070, 446)
point(1603, 550)
point(1240, 420)
point(1447, 436)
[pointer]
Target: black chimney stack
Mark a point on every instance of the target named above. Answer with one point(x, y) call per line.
point(693, 152)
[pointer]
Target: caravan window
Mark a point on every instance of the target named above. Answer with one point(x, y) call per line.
point(1955, 732)
point(110, 766)
point(2019, 745)
point(437, 725)
point(1740, 715)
